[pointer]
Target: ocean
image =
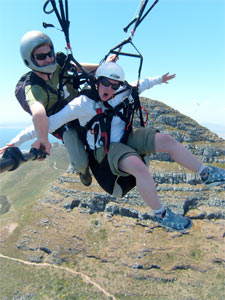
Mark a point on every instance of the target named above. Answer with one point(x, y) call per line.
point(7, 133)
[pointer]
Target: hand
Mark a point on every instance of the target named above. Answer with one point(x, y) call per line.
point(112, 58)
point(2, 150)
point(166, 77)
point(43, 145)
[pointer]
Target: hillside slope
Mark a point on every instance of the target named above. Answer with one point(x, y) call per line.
point(61, 240)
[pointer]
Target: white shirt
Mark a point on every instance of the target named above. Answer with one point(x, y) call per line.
point(84, 109)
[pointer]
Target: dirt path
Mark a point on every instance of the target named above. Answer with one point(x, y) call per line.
point(83, 276)
point(55, 167)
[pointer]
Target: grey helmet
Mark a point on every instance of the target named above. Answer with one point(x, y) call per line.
point(28, 43)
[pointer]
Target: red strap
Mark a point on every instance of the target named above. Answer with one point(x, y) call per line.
point(127, 127)
point(99, 111)
point(104, 134)
point(145, 110)
point(58, 136)
point(92, 131)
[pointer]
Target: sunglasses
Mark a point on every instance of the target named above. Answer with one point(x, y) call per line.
point(43, 56)
point(104, 81)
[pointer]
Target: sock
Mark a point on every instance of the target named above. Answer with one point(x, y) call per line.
point(160, 212)
point(203, 172)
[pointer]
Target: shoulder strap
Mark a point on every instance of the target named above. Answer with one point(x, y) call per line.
point(29, 78)
point(34, 79)
point(90, 92)
point(125, 110)
point(20, 91)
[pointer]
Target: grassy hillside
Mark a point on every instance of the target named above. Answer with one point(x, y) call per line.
point(48, 251)
point(64, 254)
point(33, 178)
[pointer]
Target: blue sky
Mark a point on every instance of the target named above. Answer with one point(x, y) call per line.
point(186, 37)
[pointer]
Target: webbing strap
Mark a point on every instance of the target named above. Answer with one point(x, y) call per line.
point(128, 105)
point(63, 18)
point(140, 17)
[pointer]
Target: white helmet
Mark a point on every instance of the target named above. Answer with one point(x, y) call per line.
point(110, 70)
point(28, 43)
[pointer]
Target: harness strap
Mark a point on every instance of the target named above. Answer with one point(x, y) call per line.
point(105, 121)
point(63, 21)
point(61, 76)
point(104, 135)
point(124, 110)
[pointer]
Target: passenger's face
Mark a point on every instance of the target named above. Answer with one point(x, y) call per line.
point(107, 88)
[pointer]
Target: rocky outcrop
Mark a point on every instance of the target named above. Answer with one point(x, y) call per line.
point(180, 190)
point(201, 141)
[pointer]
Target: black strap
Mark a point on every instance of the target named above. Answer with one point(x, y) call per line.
point(63, 18)
point(117, 50)
point(140, 17)
point(91, 92)
point(105, 120)
point(64, 63)
point(129, 106)
point(32, 78)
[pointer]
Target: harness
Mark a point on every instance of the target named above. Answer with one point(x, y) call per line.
point(124, 110)
point(31, 78)
point(100, 127)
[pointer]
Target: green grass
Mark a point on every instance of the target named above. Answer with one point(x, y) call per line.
point(28, 182)
point(4, 205)
point(103, 250)
point(43, 283)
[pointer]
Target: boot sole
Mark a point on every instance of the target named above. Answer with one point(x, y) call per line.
point(215, 183)
point(177, 230)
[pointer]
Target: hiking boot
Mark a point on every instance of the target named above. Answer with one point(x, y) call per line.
point(213, 176)
point(86, 177)
point(174, 221)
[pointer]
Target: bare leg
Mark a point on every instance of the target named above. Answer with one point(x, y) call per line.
point(146, 187)
point(145, 184)
point(179, 153)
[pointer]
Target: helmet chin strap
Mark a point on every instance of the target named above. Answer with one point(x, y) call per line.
point(39, 66)
point(44, 73)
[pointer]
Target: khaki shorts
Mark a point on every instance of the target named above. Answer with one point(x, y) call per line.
point(141, 141)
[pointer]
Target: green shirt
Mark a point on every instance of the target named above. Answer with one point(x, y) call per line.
point(38, 93)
